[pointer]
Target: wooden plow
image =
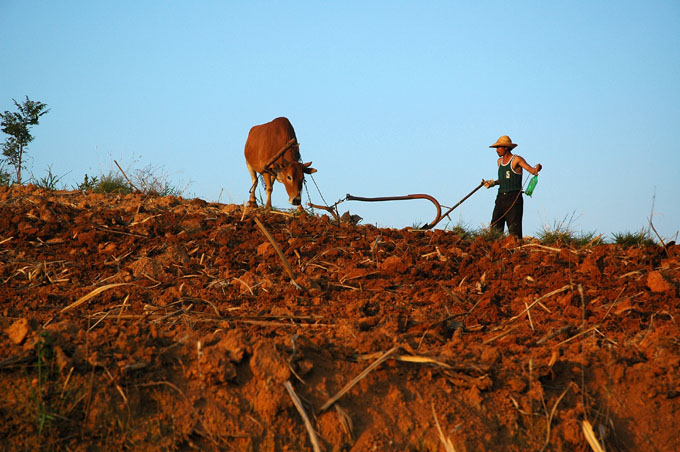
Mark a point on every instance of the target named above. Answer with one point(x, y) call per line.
point(437, 205)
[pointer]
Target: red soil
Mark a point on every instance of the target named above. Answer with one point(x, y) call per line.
point(168, 324)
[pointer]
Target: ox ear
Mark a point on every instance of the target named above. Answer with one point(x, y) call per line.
point(306, 169)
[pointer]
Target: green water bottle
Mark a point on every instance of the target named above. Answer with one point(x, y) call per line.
point(532, 184)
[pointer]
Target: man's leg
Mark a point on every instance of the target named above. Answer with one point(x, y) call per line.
point(514, 216)
point(498, 217)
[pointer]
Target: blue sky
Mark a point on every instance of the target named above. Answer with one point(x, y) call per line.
point(387, 98)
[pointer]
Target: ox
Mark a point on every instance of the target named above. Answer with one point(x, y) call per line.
point(273, 151)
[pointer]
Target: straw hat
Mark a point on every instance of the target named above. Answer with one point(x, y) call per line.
point(505, 142)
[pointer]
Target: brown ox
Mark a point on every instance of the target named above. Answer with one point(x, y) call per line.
point(263, 155)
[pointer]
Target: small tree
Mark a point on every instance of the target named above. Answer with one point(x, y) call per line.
point(17, 125)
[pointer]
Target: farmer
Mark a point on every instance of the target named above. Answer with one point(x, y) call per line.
point(509, 203)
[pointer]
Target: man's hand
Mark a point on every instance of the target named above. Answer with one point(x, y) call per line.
point(489, 183)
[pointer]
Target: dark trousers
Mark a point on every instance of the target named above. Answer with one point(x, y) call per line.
point(509, 209)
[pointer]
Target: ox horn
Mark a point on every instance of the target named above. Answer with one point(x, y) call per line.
point(307, 169)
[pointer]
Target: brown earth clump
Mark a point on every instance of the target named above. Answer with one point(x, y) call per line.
point(137, 323)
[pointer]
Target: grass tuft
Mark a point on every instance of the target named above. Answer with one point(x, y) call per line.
point(45, 367)
point(562, 233)
point(488, 233)
point(49, 181)
point(108, 183)
point(149, 181)
point(462, 230)
point(152, 181)
point(630, 239)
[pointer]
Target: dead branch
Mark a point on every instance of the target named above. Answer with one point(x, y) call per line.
point(358, 378)
point(289, 269)
point(126, 178)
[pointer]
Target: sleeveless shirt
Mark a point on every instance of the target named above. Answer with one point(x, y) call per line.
point(508, 179)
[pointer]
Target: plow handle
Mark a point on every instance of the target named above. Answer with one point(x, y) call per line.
point(481, 184)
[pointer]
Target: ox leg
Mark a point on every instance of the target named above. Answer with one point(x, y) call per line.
point(253, 177)
point(269, 187)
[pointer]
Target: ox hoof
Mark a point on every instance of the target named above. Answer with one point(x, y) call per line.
point(252, 204)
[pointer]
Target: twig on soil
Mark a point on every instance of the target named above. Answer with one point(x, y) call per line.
point(279, 252)
point(134, 223)
point(123, 307)
point(590, 437)
point(542, 297)
point(93, 294)
point(98, 321)
point(308, 425)
point(115, 231)
point(68, 378)
point(583, 306)
point(152, 315)
point(455, 297)
point(417, 359)
point(324, 252)
point(549, 336)
point(345, 286)
point(245, 209)
point(504, 333)
point(346, 421)
point(200, 300)
point(531, 324)
point(634, 272)
point(358, 378)
point(549, 248)
point(243, 282)
point(285, 214)
point(552, 414)
point(614, 303)
point(592, 328)
point(6, 240)
point(597, 238)
point(421, 360)
point(448, 445)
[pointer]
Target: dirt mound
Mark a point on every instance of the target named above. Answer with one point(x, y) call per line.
point(163, 323)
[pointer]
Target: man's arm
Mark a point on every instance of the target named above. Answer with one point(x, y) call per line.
point(523, 163)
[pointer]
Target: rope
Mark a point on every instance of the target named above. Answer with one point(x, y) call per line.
point(317, 189)
point(308, 197)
